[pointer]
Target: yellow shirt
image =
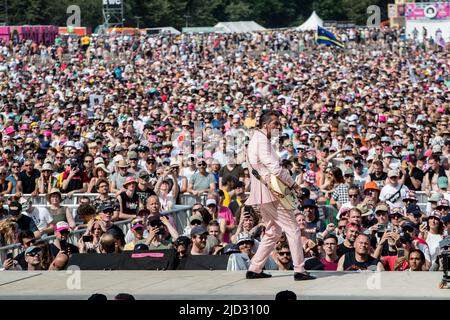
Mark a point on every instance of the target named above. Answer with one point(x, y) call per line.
point(85, 40)
point(250, 123)
point(226, 199)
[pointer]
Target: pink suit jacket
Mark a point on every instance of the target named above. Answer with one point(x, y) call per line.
point(263, 158)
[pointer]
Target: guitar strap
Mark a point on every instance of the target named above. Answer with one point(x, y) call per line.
point(258, 176)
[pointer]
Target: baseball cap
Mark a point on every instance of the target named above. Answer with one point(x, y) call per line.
point(409, 224)
point(182, 240)
point(446, 219)
point(196, 217)
point(132, 155)
point(349, 172)
point(396, 211)
point(381, 207)
point(442, 182)
point(410, 195)
point(309, 203)
point(198, 230)
point(104, 207)
point(32, 249)
point(393, 173)
point(349, 159)
point(210, 202)
point(435, 197)
point(371, 185)
point(137, 223)
point(414, 209)
point(231, 248)
point(435, 213)
point(15, 208)
point(443, 203)
point(62, 225)
point(244, 237)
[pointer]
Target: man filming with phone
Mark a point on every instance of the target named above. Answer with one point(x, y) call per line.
point(62, 232)
point(157, 228)
point(75, 179)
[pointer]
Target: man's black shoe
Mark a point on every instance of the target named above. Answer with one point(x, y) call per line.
point(254, 275)
point(298, 276)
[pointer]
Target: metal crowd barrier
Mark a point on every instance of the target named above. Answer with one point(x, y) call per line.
point(180, 215)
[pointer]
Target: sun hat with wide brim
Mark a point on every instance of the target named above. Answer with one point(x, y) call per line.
point(54, 191)
point(129, 180)
point(101, 166)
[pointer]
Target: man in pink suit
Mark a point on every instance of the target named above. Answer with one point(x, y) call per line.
point(264, 159)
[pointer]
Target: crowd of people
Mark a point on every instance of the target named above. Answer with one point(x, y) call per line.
point(141, 124)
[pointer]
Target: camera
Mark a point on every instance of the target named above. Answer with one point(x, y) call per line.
point(73, 163)
point(88, 238)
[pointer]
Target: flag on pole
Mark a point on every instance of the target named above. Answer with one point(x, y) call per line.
point(326, 37)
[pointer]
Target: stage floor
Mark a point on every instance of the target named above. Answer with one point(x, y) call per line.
point(223, 285)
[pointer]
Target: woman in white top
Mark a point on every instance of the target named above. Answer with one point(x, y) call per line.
point(432, 233)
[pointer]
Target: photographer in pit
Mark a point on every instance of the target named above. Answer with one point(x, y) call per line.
point(75, 179)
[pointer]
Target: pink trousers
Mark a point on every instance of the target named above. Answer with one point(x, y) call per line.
point(278, 219)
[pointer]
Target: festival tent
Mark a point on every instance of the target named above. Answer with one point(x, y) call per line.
point(312, 23)
point(240, 26)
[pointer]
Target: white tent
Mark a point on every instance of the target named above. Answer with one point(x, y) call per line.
point(312, 23)
point(240, 26)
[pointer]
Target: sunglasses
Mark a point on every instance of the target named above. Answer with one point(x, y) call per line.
point(353, 195)
point(151, 161)
point(202, 164)
point(15, 167)
point(381, 213)
point(284, 253)
point(29, 243)
point(34, 253)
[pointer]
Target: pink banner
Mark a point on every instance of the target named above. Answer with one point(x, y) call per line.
point(427, 11)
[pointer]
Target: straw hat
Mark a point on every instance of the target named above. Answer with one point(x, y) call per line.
point(102, 167)
point(54, 191)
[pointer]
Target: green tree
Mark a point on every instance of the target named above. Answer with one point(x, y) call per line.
point(238, 11)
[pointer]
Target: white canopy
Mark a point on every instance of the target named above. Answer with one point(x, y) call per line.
point(240, 26)
point(312, 23)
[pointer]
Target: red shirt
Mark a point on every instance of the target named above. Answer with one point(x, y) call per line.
point(329, 266)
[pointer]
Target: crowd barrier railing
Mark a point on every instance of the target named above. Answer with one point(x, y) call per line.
point(180, 214)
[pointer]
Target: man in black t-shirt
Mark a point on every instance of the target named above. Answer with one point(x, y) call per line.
point(24, 222)
point(27, 182)
point(413, 176)
point(231, 170)
point(143, 189)
point(351, 232)
point(62, 232)
point(360, 258)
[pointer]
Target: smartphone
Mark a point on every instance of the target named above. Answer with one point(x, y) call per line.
point(9, 255)
point(88, 238)
point(63, 245)
point(424, 224)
